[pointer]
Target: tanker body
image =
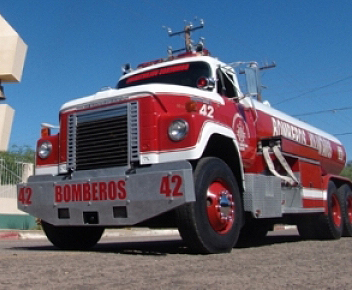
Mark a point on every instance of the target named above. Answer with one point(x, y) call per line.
point(178, 144)
point(331, 153)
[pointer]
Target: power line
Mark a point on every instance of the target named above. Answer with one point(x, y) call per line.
point(342, 134)
point(314, 90)
point(323, 111)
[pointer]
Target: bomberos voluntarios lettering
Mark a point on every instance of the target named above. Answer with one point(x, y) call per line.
point(94, 191)
point(281, 128)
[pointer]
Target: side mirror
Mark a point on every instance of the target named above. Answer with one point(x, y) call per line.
point(254, 86)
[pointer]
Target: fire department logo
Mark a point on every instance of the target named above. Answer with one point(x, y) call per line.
point(241, 130)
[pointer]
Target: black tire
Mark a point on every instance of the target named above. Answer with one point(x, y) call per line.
point(330, 226)
point(72, 238)
point(346, 193)
point(324, 226)
point(200, 223)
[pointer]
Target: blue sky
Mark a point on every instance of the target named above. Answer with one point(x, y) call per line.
point(77, 47)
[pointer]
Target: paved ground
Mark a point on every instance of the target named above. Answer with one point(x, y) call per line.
point(281, 261)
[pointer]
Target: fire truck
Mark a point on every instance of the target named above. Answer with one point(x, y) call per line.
point(179, 143)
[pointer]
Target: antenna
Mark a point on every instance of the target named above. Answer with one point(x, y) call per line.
point(187, 34)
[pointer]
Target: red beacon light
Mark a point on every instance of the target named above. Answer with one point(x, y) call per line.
point(202, 82)
point(205, 83)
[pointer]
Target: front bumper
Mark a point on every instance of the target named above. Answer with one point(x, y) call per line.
point(107, 197)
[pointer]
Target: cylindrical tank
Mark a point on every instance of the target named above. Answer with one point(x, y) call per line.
point(271, 122)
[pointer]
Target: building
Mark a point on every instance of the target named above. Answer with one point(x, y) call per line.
point(12, 55)
point(6, 118)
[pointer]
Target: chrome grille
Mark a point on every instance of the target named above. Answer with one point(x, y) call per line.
point(103, 138)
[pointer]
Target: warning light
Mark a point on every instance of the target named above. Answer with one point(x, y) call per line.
point(46, 129)
point(191, 106)
point(205, 83)
point(45, 132)
point(202, 83)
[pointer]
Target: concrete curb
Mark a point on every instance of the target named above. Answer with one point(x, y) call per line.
point(139, 232)
point(37, 234)
point(109, 233)
point(9, 235)
point(284, 227)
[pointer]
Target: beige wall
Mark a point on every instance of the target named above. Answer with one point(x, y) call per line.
point(12, 53)
point(6, 118)
point(8, 193)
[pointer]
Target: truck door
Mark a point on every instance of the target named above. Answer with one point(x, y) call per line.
point(243, 121)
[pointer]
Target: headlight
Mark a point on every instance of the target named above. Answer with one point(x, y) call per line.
point(178, 130)
point(44, 149)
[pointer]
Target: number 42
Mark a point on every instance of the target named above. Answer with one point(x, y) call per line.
point(207, 110)
point(25, 195)
point(170, 186)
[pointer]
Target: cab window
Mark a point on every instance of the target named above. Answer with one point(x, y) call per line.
point(184, 74)
point(225, 85)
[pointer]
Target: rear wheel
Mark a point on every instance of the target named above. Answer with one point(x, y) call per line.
point(346, 193)
point(212, 223)
point(72, 238)
point(325, 226)
point(331, 225)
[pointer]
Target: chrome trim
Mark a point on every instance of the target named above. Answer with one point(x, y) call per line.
point(129, 110)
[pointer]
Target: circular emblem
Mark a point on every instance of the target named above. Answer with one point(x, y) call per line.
point(241, 131)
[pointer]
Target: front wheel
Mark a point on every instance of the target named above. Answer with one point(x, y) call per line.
point(72, 238)
point(212, 223)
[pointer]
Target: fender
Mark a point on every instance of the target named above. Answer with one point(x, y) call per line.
point(338, 180)
point(195, 152)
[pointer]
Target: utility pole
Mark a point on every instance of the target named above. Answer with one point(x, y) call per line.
point(187, 35)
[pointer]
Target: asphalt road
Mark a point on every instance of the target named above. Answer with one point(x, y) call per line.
point(281, 261)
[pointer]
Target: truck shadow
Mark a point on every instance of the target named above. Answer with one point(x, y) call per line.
point(177, 246)
point(268, 241)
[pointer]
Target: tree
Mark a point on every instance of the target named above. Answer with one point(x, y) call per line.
point(347, 171)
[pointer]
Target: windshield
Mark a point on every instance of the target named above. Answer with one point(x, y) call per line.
point(185, 74)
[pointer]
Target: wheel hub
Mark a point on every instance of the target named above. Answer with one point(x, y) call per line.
point(349, 209)
point(220, 207)
point(336, 211)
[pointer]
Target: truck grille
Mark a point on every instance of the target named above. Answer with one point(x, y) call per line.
point(103, 138)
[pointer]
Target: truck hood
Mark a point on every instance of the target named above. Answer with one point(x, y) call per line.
point(112, 95)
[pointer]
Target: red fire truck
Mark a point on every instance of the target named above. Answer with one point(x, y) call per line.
point(178, 144)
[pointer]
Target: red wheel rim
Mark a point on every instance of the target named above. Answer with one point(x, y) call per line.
point(349, 209)
point(336, 210)
point(220, 207)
